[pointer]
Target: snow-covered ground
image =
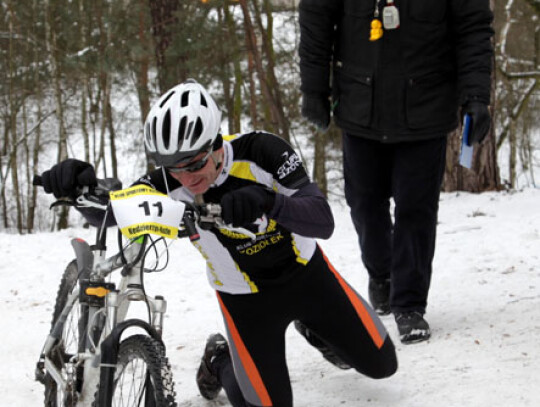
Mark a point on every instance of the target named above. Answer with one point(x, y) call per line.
point(484, 312)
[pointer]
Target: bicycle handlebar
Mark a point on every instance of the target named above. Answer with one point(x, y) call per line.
point(206, 216)
point(36, 181)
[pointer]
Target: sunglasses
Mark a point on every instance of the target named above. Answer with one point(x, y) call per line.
point(191, 167)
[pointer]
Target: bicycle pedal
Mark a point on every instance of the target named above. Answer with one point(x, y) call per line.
point(40, 372)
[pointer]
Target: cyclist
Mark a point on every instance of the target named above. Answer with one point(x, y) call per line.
point(263, 285)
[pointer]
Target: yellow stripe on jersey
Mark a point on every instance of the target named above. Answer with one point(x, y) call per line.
point(242, 169)
point(299, 259)
point(230, 137)
point(253, 287)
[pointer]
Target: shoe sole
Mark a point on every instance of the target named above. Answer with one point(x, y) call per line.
point(412, 339)
point(382, 311)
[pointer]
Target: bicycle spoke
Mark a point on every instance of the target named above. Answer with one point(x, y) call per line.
point(131, 384)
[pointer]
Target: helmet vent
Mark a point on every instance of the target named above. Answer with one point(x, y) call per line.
point(203, 101)
point(184, 100)
point(188, 132)
point(197, 131)
point(166, 129)
point(147, 134)
point(154, 123)
point(182, 129)
point(166, 98)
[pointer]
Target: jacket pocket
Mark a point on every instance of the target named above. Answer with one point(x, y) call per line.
point(432, 11)
point(431, 100)
point(353, 94)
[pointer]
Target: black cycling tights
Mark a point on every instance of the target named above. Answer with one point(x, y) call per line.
point(320, 298)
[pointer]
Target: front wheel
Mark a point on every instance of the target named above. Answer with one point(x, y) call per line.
point(143, 375)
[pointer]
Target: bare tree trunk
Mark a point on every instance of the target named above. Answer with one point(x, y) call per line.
point(103, 126)
point(83, 35)
point(34, 166)
point(56, 79)
point(253, 109)
point(142, 65)
point(512, 157)
point(319, 161)
point(224, 67)
point(484, 175)
point(104, 84)
point(163, 14)
point(3, 177)
point(13, 127)
point(233, 90)
point(273, 85)
point(112, 137)
point(251, 40)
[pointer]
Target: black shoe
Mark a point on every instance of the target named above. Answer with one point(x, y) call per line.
point(412, 327)
point(207, 380)
point(316, 341)
point(379, 295)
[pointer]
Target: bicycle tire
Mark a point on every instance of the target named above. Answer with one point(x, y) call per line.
point(144, 372)
point(71, 342)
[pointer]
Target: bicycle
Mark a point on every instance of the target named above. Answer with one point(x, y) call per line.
point(85, 361)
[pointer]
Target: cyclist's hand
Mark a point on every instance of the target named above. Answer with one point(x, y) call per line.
point(64, 178)
point(245, 205)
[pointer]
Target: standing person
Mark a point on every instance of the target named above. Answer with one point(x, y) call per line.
point(399, 71)
point(262, 285)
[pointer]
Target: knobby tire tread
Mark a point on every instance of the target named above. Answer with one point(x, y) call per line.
point(153, 353)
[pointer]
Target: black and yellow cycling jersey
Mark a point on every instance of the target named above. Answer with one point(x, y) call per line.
point(284, 241)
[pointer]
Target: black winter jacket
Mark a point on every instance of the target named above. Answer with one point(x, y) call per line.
point(407, 85)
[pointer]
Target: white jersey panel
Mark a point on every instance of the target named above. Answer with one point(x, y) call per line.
point(304, 247)
point(222, 271)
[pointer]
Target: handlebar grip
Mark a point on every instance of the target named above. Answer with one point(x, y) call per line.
point(191, 230)
point(36, 181)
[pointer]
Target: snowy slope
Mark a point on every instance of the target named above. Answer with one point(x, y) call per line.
point(484, 303)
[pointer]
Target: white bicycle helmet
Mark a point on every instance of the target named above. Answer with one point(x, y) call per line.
point(181, 124)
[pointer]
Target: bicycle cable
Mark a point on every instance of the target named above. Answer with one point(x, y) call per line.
point(158, 256)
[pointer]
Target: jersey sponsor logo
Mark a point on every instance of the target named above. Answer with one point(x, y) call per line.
point(291, 163)
point(251, 248)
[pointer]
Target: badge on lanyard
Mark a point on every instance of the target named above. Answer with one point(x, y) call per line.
point(376, 31)
point(390, 16)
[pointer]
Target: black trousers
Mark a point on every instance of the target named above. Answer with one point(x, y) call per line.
point(402, 250)
point(320, 298)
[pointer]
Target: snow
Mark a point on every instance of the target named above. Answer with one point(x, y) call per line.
point(483, 311)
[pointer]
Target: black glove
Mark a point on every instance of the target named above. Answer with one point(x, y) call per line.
point(316, 108)
point(64, 178)
point(243, 206)
point(480, 121)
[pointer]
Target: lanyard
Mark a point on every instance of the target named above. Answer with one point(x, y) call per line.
point(390, 19)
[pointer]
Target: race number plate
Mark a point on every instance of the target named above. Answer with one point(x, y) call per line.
point(140, 210)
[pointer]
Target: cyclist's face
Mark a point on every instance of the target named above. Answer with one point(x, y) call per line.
point(200, 180)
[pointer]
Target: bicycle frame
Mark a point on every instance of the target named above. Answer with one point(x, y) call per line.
point(107, 309)
point(105, 306)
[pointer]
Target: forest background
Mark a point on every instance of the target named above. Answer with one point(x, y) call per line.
point(79, 76)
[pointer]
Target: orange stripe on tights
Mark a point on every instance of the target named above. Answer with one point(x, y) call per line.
point(245, 357)
point(361, 310)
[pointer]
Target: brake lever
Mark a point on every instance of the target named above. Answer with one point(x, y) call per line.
point(88, 200)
